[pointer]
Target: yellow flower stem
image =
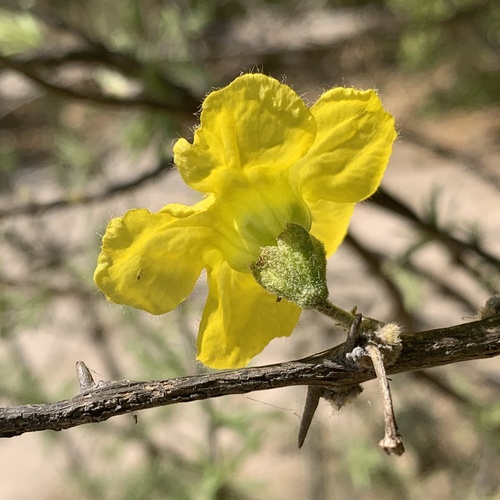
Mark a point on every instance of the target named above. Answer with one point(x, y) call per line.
point(343, 318)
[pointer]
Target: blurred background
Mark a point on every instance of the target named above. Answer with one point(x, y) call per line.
point(92, 96)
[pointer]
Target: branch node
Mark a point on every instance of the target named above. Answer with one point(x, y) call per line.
point(337, 397)
point(491, 308)
point(380, 347)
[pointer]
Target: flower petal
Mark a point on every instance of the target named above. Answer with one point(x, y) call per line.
point(152, 261)
point(330, 222)
point(248, 130)
point(252, 218)
point(240, 318)
point(351, 150)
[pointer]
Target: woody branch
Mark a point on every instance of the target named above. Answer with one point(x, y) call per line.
point(99, 402)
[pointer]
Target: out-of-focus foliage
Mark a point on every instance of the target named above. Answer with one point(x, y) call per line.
point(432, 31)
point(19, 32)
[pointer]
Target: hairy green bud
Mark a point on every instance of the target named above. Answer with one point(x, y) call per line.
point(295, 268)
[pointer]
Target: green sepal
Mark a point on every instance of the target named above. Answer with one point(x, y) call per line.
point(295, 268)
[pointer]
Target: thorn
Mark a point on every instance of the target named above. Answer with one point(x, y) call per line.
point(314, 393)
point(353, 334)
point(84, 377)
point(312, 399)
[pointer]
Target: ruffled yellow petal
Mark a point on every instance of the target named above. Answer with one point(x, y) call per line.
point(248, 130)
point(252, 218)
point(240, 318)
point(152, 261)
point(351, 150)
point(330, 222)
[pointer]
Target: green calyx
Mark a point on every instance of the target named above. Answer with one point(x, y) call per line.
point(295, 268)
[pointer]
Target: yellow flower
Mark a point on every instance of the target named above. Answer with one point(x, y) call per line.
point(263, 159)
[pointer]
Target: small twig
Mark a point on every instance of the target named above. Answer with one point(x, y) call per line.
point(140, 101)
point(392, 443)
point(384, 199)
point(163, 167)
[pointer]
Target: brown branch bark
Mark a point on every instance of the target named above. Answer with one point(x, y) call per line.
point(163, 166)
point(144, 101)
point(477, 340)
point(386, 200)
